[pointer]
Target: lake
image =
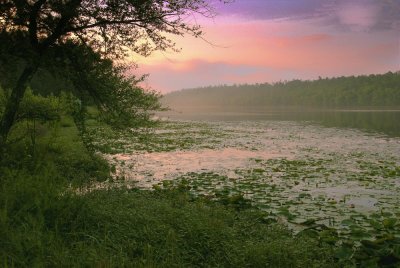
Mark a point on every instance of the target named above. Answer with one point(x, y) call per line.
point(337, 170)
point(379, 121)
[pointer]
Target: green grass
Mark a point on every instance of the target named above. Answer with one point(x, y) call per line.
point(42, 224)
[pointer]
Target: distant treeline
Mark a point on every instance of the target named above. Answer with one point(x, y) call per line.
point(354, 91)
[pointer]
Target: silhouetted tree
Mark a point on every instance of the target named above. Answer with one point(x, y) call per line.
point(111, 28)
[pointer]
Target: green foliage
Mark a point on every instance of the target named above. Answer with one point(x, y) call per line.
point(93, 80)
point(72, 76)
point(83, 168)
point(36, 141)
point(36, 107)
point(361, 91)
point(118, 97)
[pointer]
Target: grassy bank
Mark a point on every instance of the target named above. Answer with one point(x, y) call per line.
point(110, 228)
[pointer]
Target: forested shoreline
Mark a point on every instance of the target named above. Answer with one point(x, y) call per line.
point(366, 91)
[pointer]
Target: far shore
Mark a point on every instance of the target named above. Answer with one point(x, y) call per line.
point(262, 110)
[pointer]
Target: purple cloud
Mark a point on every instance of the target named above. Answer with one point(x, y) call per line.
point(274, 9)
point(345, 14)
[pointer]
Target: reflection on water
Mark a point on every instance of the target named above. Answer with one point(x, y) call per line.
point(291, 169)
point(381, 121)
point(167, 165)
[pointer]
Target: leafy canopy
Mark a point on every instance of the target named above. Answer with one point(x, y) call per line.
point(112, 27)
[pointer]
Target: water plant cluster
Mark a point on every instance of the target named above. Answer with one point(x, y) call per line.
point(346, 197)
point(164, 137)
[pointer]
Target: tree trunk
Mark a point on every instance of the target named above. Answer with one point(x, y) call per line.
point(13, 103)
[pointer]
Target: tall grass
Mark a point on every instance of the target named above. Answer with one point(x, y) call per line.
point(42, 224)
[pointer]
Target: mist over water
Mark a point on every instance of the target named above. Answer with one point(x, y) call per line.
point(367, 102)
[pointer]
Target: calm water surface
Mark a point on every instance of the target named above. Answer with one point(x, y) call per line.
point(379, 121)
point(330, 167)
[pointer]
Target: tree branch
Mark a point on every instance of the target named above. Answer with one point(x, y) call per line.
point(112, 22)
point(62, 23)
point(33, 22)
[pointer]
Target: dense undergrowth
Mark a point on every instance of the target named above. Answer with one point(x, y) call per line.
point(49, 217)
point(41, 226)
point(45, 223)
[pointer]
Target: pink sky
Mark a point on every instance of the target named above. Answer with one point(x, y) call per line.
point(304, 41)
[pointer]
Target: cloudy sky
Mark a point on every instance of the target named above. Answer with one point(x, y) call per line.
point(254, 41)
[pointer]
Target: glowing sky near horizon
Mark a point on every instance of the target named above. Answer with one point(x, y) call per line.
point(256, 41)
